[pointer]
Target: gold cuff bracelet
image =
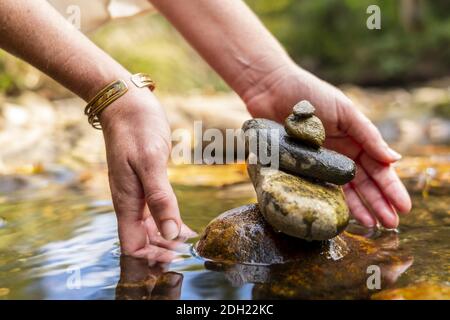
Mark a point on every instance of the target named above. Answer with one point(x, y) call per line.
point(111, 93)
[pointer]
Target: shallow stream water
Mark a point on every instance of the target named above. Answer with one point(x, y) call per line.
point(58, 240)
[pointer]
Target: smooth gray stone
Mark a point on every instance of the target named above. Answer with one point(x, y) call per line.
point(303, 109)
point(297, 158)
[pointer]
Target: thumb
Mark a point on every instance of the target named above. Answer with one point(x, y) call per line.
point(161, 199)
point(364, 132)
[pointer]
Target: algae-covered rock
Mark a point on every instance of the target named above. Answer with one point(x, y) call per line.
point(307, 130)
point(242, 235)
point(245, 247)
point(321, 164)
point(346, 278)
point(297, 206)
point(419, 291)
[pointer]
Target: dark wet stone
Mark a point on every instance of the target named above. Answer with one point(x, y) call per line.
point(242, 235)
point(307, 130)
point(321, 164)
point(303, 109)
point(297, 206)
point(347, 278)
point(290, 268)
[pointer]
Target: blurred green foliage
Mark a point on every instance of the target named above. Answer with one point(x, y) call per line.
point(150, 44)
point(7, 81)
point(327, 37)
point(330, 38)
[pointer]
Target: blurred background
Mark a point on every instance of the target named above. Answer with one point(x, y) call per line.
point(53, 181)
point(399, 75)
point(327, 37)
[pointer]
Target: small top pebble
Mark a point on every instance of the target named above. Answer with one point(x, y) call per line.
point(303, 109)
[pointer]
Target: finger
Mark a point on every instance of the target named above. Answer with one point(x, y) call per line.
point(127, 195)
point(373, 196)
point(360, 128)
point(156, 255)
point(357, 207)
point(154, 234)
point(177, 245)
point(187, 233)
point(160, 198)
point(389, 183)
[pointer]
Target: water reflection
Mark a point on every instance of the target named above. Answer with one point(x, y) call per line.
point(149, 278)
point(320, 277)
point(141, 281)
point(49, 233)
point(316, 277)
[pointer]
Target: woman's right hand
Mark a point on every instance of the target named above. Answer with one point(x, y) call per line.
point(377, 193)
point(138, 144)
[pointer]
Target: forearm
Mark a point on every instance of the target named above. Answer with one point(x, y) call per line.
point(36, 33)
point(230, 37)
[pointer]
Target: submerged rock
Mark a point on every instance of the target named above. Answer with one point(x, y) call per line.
point(245, 247)
point(299, 207)
point(419, 291)
point(242, 235)
point(347, 278)
point(321, 164)
point(303, 109)
point(307, 130)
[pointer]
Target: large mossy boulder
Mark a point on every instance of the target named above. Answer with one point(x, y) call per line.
point(242, 235)
point(247, 249)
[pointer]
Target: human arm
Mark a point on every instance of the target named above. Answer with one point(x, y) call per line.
point(237, 45)
point(137, 135)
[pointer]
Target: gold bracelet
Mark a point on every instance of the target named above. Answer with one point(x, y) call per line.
point(111, 93)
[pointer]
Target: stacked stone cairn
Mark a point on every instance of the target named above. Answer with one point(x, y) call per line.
point(302, 198)
point(301, 208)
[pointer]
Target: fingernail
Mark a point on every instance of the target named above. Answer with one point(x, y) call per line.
point(169, 229)
point(390, 223)
point(394, 154)
point(369, 224)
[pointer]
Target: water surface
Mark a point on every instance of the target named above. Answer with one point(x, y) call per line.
point(58, 240)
